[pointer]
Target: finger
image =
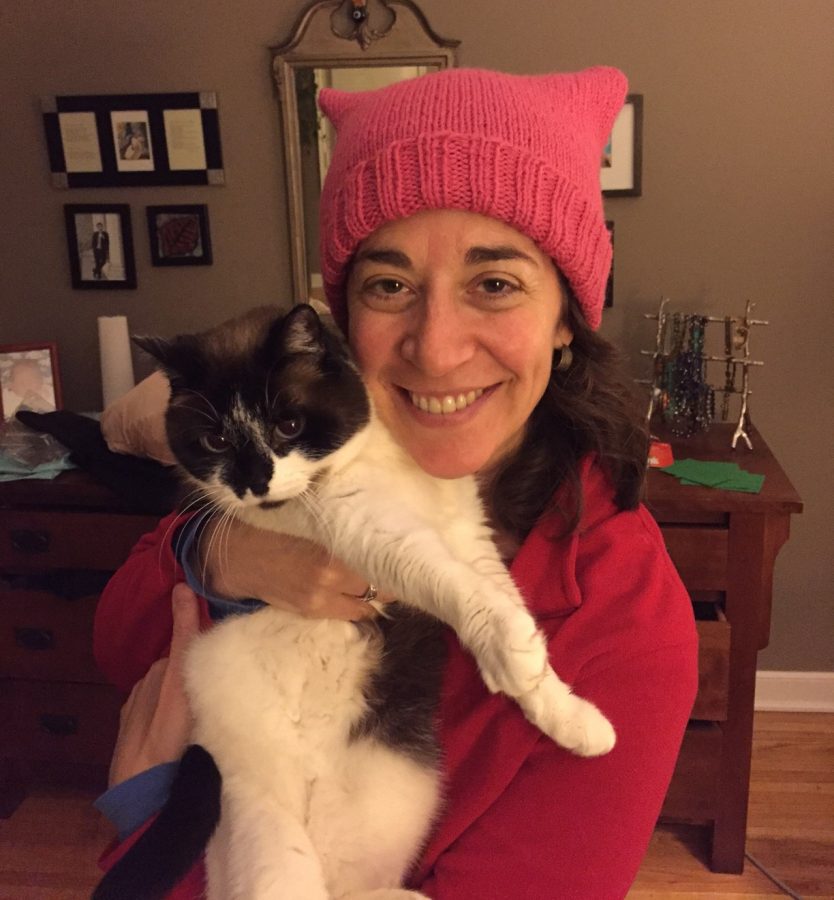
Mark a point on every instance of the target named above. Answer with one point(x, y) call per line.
point(185, 609)
point(341, 606)
point(363, 590)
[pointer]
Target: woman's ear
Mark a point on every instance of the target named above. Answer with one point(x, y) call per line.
point(562, 336)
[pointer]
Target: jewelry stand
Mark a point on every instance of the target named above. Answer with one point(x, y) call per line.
point(678, 385)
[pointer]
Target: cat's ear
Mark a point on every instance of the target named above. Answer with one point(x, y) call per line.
point(178, 357)
point(301, 331)
point(156, 347)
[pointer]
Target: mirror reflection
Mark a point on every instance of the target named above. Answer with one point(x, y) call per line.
point(317, 137)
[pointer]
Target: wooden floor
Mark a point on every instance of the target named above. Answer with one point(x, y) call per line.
point(49, 847)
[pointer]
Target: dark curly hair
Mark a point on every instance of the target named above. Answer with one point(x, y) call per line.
point(590, 408)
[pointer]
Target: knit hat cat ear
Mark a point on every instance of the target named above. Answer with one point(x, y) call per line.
point(598, 93)
point(334, 104)
point(521, 149)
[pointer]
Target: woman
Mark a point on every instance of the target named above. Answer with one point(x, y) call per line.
point(465, 255)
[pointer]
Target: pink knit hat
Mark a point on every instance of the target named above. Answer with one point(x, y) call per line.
point(522, 149)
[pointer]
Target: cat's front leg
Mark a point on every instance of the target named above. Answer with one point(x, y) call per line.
point(400, 553)
point(512, 657)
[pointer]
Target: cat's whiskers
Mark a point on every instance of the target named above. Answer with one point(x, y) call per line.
point(200, 498)
point(197, 494)
point(310, 501)
point(216, 515)
point(225, 516)
point(225, 529)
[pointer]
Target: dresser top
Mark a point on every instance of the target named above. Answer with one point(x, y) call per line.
point(73, 489)
point(665, 494)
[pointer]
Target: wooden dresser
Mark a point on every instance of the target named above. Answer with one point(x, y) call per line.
point(724, 545)
point(59, 542)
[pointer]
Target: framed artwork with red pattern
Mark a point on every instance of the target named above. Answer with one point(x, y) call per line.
point(179, 235)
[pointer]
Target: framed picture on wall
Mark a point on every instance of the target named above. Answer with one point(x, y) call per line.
point(621, 167)
point(100, 245)
point(30, 378)
point(609, 285)
point(179, 235)
point(131, 140)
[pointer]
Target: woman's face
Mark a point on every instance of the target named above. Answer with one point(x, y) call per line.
point(453, 318)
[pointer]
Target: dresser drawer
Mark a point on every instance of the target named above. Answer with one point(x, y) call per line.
point(54, 722)
point(699, 555)
point(711, 702)
point(46, 637)
point(68, 540)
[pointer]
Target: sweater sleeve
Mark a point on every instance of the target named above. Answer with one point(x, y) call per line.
point(133, 621)
point(578, 828)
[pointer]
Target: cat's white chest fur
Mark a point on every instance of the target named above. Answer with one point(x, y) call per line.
point(308, 814)
point(273, 679)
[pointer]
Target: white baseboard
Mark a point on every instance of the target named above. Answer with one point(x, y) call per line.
point(795, 691)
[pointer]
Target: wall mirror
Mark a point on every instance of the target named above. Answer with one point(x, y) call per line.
point(354, 45)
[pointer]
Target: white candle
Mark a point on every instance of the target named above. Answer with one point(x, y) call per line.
point(116, 361)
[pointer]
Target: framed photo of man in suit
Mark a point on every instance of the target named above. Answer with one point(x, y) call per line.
point(100, 244)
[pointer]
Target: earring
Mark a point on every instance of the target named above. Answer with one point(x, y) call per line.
point(565, 359)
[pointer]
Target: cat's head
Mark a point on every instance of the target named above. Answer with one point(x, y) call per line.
point(261, 405)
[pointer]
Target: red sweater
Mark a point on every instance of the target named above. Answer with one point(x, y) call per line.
point(523, 818)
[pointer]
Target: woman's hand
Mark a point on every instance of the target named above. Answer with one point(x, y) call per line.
point(238, 560)
point(155, 722)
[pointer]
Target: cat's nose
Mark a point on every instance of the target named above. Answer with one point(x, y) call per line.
point(259, 488)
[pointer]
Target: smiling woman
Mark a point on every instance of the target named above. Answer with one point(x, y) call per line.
point(465, 256)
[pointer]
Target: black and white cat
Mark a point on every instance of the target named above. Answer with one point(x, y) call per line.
point(314, 771)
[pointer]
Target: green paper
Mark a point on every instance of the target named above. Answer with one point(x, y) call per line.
point(726, 476)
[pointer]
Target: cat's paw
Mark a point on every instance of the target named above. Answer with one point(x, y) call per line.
point(573, 723)
point(511, 654)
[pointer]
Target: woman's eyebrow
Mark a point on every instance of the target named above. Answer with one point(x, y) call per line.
point(383, 255)
point(498, 253)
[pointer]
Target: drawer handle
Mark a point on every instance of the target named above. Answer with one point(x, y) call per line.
point(25, 540)
point(34, 638)
point(59, 725)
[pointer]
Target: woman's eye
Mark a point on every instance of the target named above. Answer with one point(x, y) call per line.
point(387, 286)
point(497, 286)
point(215, 443)
point(289, 428)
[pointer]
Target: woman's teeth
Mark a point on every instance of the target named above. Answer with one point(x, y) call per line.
point(445, 405)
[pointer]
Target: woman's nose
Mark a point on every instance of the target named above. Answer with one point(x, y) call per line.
point(440, 337)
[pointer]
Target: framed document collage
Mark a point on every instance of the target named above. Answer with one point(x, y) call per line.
point(133, 140)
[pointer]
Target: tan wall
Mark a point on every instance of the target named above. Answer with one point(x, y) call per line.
point(737, 194)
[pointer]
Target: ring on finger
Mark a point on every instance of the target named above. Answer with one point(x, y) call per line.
point(370, 594)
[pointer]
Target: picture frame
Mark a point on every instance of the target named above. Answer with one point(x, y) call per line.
point(621, 167)
point(100, 245)
point(609, 285)
point(179, 235)
point(133, 140)
point(29, 378)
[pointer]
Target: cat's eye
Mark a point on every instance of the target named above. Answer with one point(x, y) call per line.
point(288, 428)
point(214, 443)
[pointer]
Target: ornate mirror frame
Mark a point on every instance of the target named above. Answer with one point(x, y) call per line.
point(341, 34)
